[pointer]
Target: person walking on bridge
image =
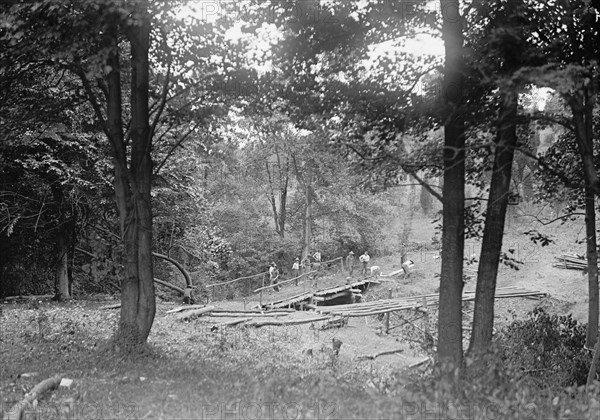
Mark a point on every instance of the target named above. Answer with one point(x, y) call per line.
point(296, 269)
point(274, 276)
point(350, 263)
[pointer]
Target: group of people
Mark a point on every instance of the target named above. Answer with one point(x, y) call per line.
point(305, 266)
point(363, 259)
point(298, 267)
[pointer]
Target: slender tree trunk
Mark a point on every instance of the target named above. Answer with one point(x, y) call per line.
point(62, 265)
point(592, 266)
point(308, 215)
point(582, 104)
point(271, 198)
point(450, 349)
point(491, 246)
point(283, 201)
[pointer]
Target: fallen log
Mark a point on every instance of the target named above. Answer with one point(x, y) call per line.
point(233, 323)
point(194, 313)
point(16, 412)
point(419, 363)
point(258, 311)
point(238, 314)
point(184, 308)
point(114, 306)
point(261, 323)
point(376, 355)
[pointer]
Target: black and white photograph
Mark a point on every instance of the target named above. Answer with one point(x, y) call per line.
point(299, 209)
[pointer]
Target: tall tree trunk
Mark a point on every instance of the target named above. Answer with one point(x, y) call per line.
point(62, 265)
point(308, 214)
point(450, 349)
point(283, 201)
point(133, 182)
point(582, 104)
point(592, 266)
point(491, 246)
point(138, 304)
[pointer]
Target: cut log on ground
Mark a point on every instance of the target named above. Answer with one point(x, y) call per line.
point(17, 410)
point(195, 313)
point(572, 262)
point(264, 323)
point(233, 323)
point(419, 363)
point(376, 355)
point(115, 306)
point(185, 308)
point(235, 314)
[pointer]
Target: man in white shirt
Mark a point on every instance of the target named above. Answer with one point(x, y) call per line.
point(274, 275)
point(364, 259)
point(296, 269)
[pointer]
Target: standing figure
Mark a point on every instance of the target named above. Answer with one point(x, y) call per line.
point(274, 276)
point(364, 259)
point(296, 269)
point(350, 262)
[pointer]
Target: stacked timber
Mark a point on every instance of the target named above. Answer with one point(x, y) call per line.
point(383, 306)
point(571, 262)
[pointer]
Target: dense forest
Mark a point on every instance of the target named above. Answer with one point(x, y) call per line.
point(153, 148)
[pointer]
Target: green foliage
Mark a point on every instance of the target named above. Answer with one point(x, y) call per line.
point(548, 348)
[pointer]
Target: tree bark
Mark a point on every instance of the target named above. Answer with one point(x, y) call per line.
point(491, 246)
point(308, 215)
point(582, 104)
point(450, 349)
point(592, 266)
point(62, 266)
point(279, 216)
point(137, 292)
point(283, 200)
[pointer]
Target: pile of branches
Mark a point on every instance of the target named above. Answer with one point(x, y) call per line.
point(571, 262)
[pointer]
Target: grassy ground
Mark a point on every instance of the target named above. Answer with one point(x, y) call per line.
point(189, 372)
point(186, 372)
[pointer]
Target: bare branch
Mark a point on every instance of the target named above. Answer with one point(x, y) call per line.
point(175, 146)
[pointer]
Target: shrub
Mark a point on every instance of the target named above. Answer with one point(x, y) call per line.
point(546, 347)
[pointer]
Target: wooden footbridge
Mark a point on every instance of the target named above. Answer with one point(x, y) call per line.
point(316, 306)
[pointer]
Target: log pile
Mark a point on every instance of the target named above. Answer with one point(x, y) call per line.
point(571, 262)
point(383, 306)
point(335, 315)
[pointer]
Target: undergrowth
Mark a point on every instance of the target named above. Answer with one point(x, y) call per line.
point(188, 372)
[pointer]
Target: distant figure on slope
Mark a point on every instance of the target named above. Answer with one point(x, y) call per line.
point(274, 276)
point(296, 269)
point(317, 257)
point(364, 259)
point(350, 262)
